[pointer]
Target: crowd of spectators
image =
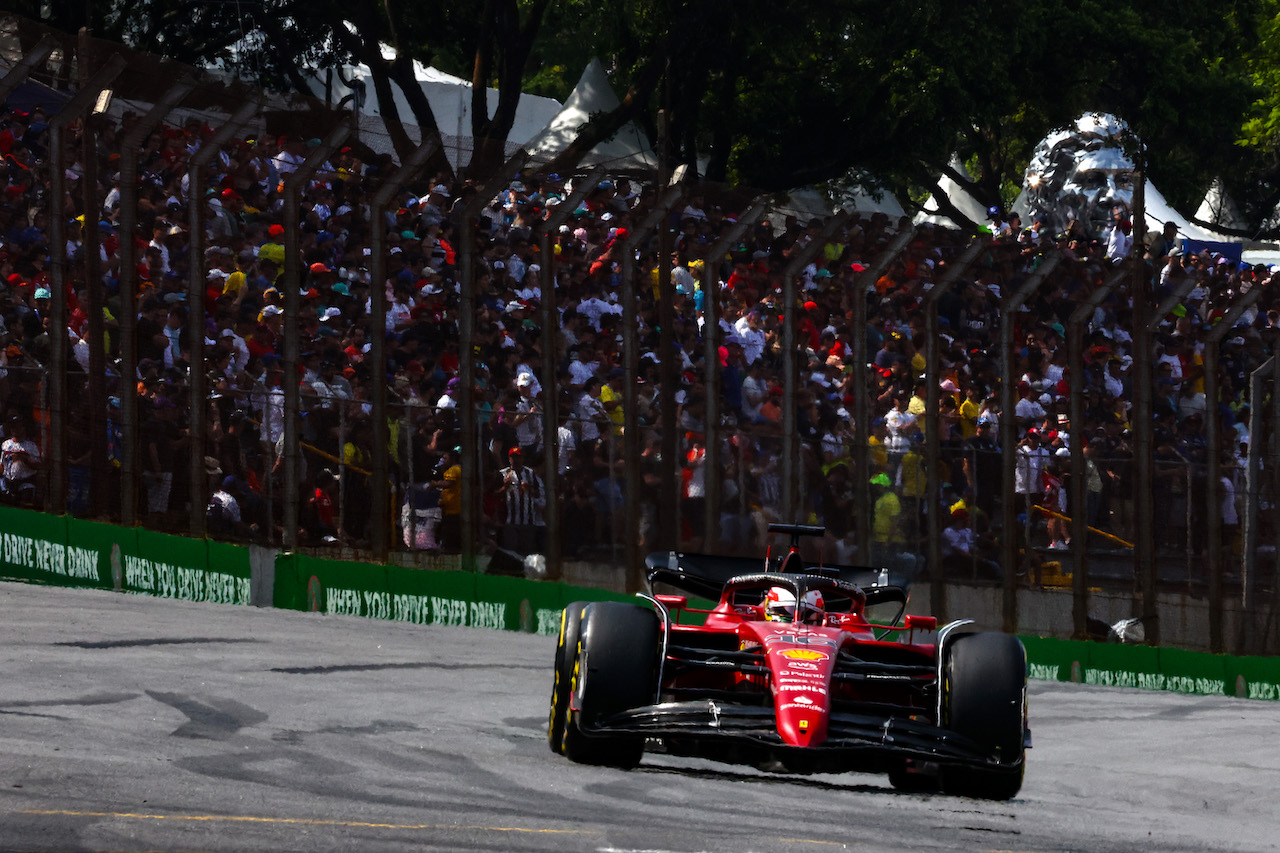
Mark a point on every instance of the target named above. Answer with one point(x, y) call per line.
point(241, 271)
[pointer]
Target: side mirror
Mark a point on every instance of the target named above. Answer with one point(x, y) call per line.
point(921, 623)
point(680, 602)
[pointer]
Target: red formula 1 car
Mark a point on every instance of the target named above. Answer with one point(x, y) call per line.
point(795, 669)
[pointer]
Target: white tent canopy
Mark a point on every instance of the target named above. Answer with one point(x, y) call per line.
point(858, 200)
point(628, 149)
point(1160, 211)
point(450, 99)
point(959, 195)
point(806, 203)
point(1219, 208)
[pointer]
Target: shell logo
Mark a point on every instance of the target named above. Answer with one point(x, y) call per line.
point(804, 700)
point(804, 654)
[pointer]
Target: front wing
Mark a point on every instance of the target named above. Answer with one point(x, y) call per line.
point(857, 736)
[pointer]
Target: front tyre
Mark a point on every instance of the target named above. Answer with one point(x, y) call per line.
point(985, 699)
point(566, 653)
point(615, 669)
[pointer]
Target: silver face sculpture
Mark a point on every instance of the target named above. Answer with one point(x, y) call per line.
point(1082, 174)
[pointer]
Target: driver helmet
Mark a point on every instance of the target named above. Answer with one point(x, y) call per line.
point(780, 606)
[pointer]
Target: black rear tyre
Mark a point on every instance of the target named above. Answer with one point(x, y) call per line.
point(985, 699)
point(615, 669)
point(566, 652)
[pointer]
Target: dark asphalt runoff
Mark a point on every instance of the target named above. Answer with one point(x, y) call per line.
point(138, 724)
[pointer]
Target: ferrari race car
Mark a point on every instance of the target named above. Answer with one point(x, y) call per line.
point(796, 668)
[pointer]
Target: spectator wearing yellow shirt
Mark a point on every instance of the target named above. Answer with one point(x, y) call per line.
point(611, 397)
point(969, 411)
point(449, 482)
point(886, 536)
point(235, 283)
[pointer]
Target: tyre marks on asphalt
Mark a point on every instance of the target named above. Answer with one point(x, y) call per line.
point(214, 719)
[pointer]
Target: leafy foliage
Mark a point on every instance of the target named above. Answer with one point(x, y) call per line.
point(773, 95)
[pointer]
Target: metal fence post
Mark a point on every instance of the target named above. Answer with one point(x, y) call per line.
point(631, 365)
point(74, 109)
point(293, 185)
point(472, 514)
point(549, 320)
point(1213, 490)
point(864, 282)
point(791, 471)
point(131, 141)
point(1079, 488)
point(1008, 440)
point(196, 272)
point(1252, 494)
point(711, 358)
point(933, 488)
point(379, 523)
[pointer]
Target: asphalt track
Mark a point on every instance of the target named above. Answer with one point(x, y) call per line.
point(135, 724)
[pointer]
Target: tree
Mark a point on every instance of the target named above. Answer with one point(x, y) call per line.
point(773, 95)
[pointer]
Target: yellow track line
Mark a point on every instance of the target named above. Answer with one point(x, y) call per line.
point(301, 821)
point(352, 824)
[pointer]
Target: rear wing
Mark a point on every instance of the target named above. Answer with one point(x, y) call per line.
point(705, 575)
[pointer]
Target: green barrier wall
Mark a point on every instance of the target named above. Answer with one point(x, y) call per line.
point(1176, 670)
point(63, 551)
point(108, 543)
point(426, 597)
point(33, 547)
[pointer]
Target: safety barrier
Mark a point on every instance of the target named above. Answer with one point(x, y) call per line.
point(303, 582)
point(63, 551)
point(1153, 668)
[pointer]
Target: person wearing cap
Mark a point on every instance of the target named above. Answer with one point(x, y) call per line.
point(1028, 411)
point(749, 329)
point(160, 242)
point(526, 420)
point(1161, 245)
point(963, 552)
point(223, 221)
point(19, 464)
point(321, 523)
point(1028, 472)
point(321, 274)
point(447, 477)
point(448, 399)
point(524, 499)
point(222, 515)
point(901, 425)
point(234, 346)
point(886, 534)
point(591, 415)
point(40, 308)
point(272, 316)
point(292, 153)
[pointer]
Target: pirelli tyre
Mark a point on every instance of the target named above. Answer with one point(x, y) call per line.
point(985, 699)
point(566, 653)
point(615, 668)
